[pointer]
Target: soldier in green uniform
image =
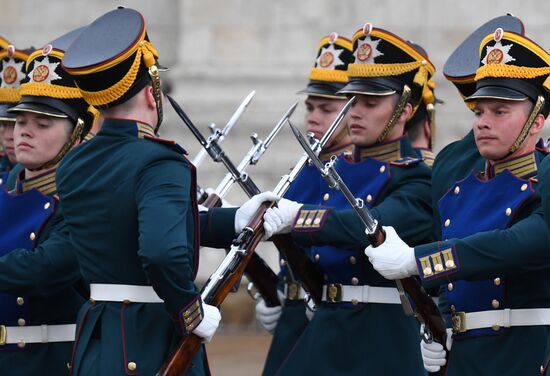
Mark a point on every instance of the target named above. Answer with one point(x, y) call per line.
point(130, 207)
point(12, 74)
point(421, 127)
point(492, 261)
point(361, 316)
point(41, 289)
point(322, 106)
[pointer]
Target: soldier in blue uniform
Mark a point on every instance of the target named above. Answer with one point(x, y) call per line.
point(12, 74)
point(492, 261)
point(361, 316)
point(323, 104)
point(41, 289)
point(130, 207)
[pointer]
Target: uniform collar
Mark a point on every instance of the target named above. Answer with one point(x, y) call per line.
point(385, 152)
point(326, 154)
point(127, 127)
point(45, 182)
point(523, 166)
point(427, 156)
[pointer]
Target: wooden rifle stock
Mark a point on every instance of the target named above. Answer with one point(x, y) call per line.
point(425, 306)
point(257, 271)
point(179, 361)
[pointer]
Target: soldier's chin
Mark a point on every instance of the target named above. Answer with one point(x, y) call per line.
point(492, 154)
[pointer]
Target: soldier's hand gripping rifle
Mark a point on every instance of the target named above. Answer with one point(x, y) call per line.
point(426, 311)
point(258, 272)
point(232, 267)
point(217, 136)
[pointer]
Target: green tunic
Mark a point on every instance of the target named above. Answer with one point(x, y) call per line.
point(131, 214)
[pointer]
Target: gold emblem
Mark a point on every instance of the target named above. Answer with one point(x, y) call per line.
point(364, 51)
point(40, 73)
point(326, 59)
point(10, 75)
point(293, 291)
point(334, 292)
point(495, 56)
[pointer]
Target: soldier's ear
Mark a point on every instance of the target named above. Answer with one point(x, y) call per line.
point(538, 124)
point(150, 97)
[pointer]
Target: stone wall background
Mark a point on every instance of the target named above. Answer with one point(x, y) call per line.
point(219, 51)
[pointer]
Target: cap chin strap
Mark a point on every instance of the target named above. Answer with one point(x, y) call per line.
point(396, 113)
point(157, 93)
point(527, 126)
point(75, 135)
point(430, 109)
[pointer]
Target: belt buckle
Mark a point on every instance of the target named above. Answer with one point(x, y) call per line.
point(334, 292)
point(3, 335)
point(293, 291)
point(459, 322)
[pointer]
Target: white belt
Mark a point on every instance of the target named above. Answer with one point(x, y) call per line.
point(37, 334)
point(294, 291)
point(500, 318)
point(123, 293)
point(336, 292)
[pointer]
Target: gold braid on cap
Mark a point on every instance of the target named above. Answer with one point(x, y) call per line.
point(328, 75)
point(512, 71)
point(10, 94)
point(396, 113)
point(527, 126)
point(145, 51)
point(50, 90)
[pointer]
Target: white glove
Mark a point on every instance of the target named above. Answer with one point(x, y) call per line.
point(245, 213)
point(309, 314)
point(209, 323)
point(279, 220)
point(433, 354)
point(394, 259)
point(269, 316)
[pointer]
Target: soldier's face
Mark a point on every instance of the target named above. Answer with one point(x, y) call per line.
point(497, 124)
point(320, 114)
point(369, 116)
point(39, 138)
point(6, 128)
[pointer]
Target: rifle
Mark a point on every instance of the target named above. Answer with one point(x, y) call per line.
point(232, 267)
point(299, 264)
point(217, 136)
point(258, 272)
point(426, 311)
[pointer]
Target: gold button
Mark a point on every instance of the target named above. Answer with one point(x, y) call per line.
point(523, 187)
point(352, 260)
point(317, 221)
point(508, 212)
point(497, 281)
point(132, 366)
point(447, 222)
point(21, 344)
point(428, 271)
point(126, 301)
point(308, 221)
point(20, 301)
point(453, 308)
point(450, 264)
point(495, 327)
point(355, 281)
point(382, 169)
point(438, 267)
point(46, 206)
point(21, 322)
point(300, 221)
point(369, 198)
point(32, 236)
point(450, 287)
point(495, 303)
point(317, 257)
point(326, 196)
point(457, 190)
point(354, 301)
point(282, 262)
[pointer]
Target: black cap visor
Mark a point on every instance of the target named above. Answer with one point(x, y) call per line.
point(504, 88)
point(38, 108)
point(372, 86)
point(4, 114)
point(323, 89)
